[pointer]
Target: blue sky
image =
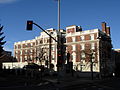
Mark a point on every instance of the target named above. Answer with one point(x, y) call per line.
point(86, 13)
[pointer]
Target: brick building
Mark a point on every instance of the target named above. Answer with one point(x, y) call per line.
point(38, 50)
point(86, 48)
point(89, 47)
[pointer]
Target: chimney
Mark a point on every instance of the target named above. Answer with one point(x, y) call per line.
point(79, 28)
point(108, 30)
point(104, 27)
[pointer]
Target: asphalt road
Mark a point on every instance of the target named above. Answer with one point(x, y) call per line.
point(107, 84)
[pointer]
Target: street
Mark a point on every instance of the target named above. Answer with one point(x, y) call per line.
point(106, 84)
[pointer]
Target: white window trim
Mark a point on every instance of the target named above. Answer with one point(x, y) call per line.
point(82, 46)
point(83, 55)
point(82, 38)
point(73, 47)
point(74, 57)
point(92, 37)
point(73, 39)
point(92, 45)
point(21, 59)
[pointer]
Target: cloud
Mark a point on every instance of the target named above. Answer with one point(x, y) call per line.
point(7, 1)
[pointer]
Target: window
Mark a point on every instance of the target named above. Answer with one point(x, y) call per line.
point(19, 46)
point(51, 32)
point(82, 46)
point(41, 41)
point(15, 47)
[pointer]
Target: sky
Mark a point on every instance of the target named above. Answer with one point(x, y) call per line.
point(86, 13)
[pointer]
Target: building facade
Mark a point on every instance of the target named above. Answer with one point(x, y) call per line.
point(39, 50)
point(89, 49)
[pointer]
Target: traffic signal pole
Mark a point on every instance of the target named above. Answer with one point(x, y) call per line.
point(45, 31)
point(50, 52)
point(59, 35)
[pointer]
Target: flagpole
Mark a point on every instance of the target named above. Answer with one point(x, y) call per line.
point(59, 15)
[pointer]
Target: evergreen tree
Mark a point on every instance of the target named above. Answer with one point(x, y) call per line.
point(1, 40)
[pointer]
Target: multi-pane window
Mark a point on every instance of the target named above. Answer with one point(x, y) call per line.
point(19, 46)
point(15, 46)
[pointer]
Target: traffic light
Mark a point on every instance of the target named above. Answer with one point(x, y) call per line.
point(29, 25)
point(59, 55)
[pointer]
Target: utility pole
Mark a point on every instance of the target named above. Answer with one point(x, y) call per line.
point(59, 15)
